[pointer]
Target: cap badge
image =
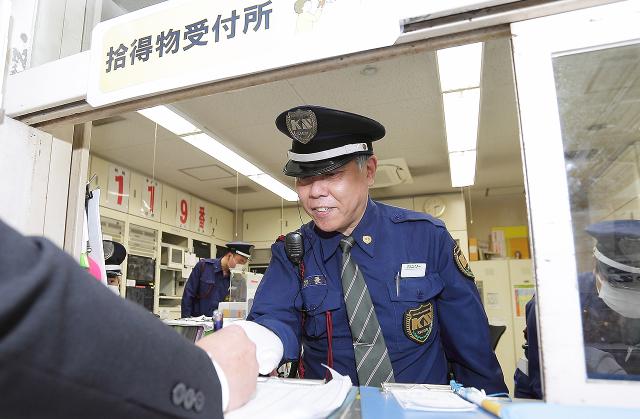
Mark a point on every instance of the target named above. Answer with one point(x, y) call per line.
point(302, 125)
point(366, 239)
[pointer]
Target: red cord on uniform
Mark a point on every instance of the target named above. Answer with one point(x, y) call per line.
point(329, 342)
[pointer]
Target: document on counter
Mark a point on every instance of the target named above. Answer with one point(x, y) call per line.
point(427, 397)
point(295, 399)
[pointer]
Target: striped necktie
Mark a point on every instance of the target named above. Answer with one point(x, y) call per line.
point(372, 358)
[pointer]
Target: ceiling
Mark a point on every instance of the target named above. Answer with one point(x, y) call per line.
point(402, 93)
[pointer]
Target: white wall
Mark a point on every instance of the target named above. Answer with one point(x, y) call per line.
point(34, 180)
point(494, 211)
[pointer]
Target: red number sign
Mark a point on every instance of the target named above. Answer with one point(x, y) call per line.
point(184, 212)
point(120, 181)
point(152, 193)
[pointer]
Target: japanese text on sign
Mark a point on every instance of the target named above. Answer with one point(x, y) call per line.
point(195, 34)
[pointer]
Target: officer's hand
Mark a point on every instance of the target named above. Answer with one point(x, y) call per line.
point(236, 355)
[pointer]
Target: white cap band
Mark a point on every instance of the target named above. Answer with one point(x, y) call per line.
point(327, 154)
point(241, 253)
point(619, 266)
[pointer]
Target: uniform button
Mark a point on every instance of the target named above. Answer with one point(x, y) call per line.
point(606, 324)
point(178, 394)
point(199, 402)
point(189, 399)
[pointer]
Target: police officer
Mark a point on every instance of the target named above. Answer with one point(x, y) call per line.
point(209, 281)
point(610, 302)
point(415, 313)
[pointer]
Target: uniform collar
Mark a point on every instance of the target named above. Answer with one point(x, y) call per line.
point(367, 227)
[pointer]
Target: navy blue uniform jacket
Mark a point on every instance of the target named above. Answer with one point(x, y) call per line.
point(71, 348)
point(205, 288)
point(459, 331)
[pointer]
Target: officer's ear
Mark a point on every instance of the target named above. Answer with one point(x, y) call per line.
point(372, 166)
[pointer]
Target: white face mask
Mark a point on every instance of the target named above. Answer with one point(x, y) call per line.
point(240, 267)
point(623, 301)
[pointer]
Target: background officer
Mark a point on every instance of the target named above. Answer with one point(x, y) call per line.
point(381, 293)
point(610, 302)
point(209, 281)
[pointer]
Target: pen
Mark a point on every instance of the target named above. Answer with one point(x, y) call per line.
point(397, 283)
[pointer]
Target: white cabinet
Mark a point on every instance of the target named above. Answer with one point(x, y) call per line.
point(222, 223)
point(145, 197)
point(492, 279)
point(201, 216)
point(168, 213)
point(522, 289)
point(183, 210)
point(261, 227)
point(293, 218)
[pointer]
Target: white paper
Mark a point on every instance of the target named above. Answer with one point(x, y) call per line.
point(294, 399)
point(425, 399)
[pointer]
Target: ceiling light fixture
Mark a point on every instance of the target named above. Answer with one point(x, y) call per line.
point(190, 133)
point(460, 70)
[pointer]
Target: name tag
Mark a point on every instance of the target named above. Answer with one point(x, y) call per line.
point(413, 270)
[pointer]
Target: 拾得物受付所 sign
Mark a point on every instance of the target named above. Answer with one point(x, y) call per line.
point(184, 43)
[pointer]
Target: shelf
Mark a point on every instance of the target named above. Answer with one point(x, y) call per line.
point(169, 268)
point(170, 297)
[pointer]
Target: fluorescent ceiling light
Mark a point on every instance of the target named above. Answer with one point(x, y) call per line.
point(461, 109)
point(188, 132)
point(463, 168)
point(219, 152)
point(274, 186)
point(460, 67)
point(169, 120)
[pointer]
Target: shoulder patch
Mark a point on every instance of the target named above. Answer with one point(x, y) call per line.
point(401, 216)
point(461, 262)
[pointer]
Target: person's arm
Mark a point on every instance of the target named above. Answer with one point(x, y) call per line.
point(464, 325)
point(191, 290)
point(71, 347)
point(273, 305)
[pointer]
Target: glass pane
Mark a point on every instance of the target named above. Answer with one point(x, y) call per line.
point(599, 103)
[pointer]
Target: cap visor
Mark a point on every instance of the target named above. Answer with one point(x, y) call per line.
point(307, 169)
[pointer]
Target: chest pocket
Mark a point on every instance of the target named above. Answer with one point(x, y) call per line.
point(316, 301)
point(415, 311)
point(207, 282)
point(415, 289)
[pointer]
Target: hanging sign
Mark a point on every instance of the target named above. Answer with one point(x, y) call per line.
point(183, 202)
point(118, 188)
point(181, 43)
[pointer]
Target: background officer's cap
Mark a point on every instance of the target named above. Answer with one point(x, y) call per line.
point(617, 251)
point(325, 139)
point(240, 248)
point(114, 254)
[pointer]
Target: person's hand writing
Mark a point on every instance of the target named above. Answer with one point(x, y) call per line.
point(235, 353)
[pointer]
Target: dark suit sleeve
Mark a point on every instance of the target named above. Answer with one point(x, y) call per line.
point(69, 347)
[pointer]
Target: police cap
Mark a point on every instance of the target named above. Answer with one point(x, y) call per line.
point(325, 139)
point(240, 248)
point(617, 250)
